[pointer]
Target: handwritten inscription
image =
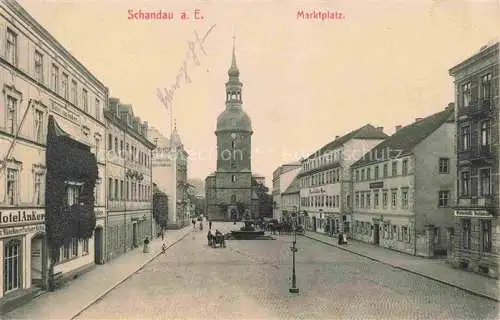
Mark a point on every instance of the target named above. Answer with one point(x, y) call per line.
point(194, 48)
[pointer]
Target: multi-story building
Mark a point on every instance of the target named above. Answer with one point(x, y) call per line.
point(282, 178)
point(290, 200)
point(170, 161)
point(128, 179)
point(403, 188)
point(326, 179)
point(41, 82)
point(475, 234)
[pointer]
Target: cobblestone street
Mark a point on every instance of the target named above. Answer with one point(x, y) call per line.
point(250, 279)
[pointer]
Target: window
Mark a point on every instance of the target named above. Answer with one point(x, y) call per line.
point(375, 199)
point(122, 152)
point(12, 186)
point(362, 174)
point(384, 198)
point(486, 235)
point(74, 247)
point(38, 189)
point(97, 109)
point(11, 115)
point(394, 168)
point(233, 198)
point(404, 234)
point(357, 175)
point(233, 178)
point(73, 192)
point(368, 200)
point(127, 190)
point(85, 246)
point(444, 199)
point(122, 193)
point(486, 86)
point(394, 198)
point(116, 145)
point(85, 100)
point(64, 86)
point(386, 170)
point(464, 183)
point(362, 200)
point(74, 92)
point(376, 172)
point(465, 138)
point(11, 47)
point(404, 198)
point(66, 252)
point(38, 125)
point(368, 174)
point(357, 199)
point(444, 165)
point(466, 234)
point(110, 188)
point(485, 133)
point(485, 182)
point(97, 147)
point(38, 67)
point(12, 258)
point(348, 201)
point(405, 168)
point(116, 190)
point(54, 78)
point(466, 94)
point(233, 144)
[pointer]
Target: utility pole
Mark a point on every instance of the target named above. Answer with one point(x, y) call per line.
point(294, 288)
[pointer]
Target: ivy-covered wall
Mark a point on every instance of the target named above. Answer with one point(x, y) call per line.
point(68, 160)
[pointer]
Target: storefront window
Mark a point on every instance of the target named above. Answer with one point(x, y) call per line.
point(486, 235)
point(466, 234)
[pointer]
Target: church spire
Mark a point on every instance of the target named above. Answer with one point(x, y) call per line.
point(233, 70)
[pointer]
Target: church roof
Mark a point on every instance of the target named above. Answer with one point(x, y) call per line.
point(294, 186)
point(234, 119)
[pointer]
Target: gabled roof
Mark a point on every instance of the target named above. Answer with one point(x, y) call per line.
point(366, 132)
point(294, 186)
point(405, 139)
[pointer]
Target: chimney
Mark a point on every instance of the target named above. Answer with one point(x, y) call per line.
point(336, 137)
point(398, 127)
point(381, 129)
point(418, 119)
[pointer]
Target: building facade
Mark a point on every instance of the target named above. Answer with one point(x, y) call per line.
point(229, 188)
point(290, 200)
point(282, 178)
point(403, 188)
point(475, 236)
point(128, 179)
point(41, 79)
point(170, 171)
point(325, 180)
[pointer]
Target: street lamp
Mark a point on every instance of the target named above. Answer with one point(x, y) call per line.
point(294, 288)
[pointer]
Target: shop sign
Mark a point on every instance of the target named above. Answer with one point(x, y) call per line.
point(473, 213)
point(377, 185)
point(317, 190)
point(21, 230)
point(65, 113)
point(10, 217)
point(99, 212)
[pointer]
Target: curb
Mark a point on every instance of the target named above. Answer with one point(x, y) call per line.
point(408, 270)
point(102, 295)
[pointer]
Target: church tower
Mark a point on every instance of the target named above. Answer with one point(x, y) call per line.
point(231, 185)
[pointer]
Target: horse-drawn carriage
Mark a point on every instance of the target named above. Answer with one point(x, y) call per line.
point(217, 239)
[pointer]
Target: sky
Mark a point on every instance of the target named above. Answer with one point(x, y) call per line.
point(304, 81)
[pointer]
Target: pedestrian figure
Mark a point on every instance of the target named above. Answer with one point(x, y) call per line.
point(209, 224)
point(146, 245)
point(163, 248)
point(194, 224)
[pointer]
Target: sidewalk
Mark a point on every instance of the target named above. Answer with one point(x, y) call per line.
point(436, 269)
point(80, 293)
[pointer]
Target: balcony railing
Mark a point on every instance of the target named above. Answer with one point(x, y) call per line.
point(476, 152)
point(476, 108)
point(481, 201)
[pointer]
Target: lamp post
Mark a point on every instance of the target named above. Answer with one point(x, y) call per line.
point(294, 288)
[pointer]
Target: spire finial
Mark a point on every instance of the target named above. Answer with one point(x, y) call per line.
point(233, 70)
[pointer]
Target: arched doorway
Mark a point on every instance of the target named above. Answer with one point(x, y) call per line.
point(12, 259)
point(98, 246)
point(37, 265)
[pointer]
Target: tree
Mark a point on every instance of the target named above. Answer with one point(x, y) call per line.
point(160, 207)
point(265, 200)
